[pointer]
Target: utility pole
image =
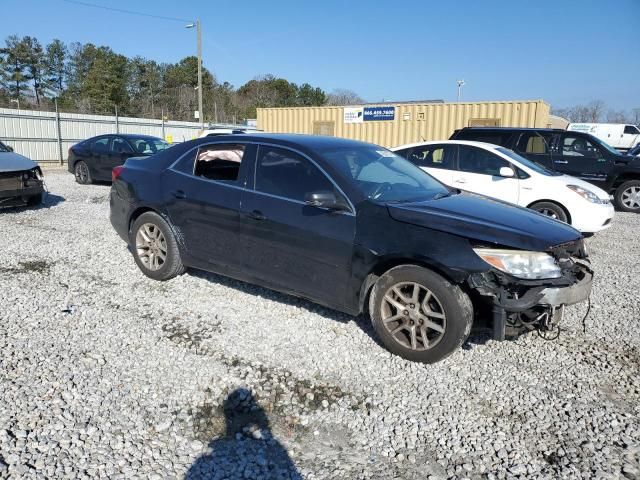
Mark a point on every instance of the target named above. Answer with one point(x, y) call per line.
point(199, 39)
point(460, 84)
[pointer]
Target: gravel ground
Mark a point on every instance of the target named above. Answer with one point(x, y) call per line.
point(106, 373)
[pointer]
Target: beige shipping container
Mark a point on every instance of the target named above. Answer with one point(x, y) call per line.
point(412, 122)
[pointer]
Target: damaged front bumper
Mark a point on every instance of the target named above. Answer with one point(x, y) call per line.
point(518, 304)
point(16, 188)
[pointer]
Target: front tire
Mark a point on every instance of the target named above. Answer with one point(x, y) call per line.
point(551, 209)
point(82, 173)
point(419, 315)
point(154, 247)
point(628, 196)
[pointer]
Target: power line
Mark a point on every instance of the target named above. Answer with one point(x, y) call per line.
point(129, 12)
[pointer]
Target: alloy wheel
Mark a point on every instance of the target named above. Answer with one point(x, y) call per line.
point(82, 172)
point(548, 212)
point(151, 246)
point(413, 315)
point(631, 197)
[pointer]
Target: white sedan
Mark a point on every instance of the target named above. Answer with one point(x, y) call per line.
point(503, 174)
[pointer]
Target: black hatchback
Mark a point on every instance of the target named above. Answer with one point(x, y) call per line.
point(93, 159)
point(354, 227)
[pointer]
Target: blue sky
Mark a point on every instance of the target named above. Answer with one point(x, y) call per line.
point(563, 51)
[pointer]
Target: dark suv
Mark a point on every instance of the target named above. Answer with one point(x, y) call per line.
point(574, 153)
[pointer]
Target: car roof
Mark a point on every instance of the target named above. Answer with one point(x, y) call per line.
point(125, 135)
point(293, 140)
point(514, 129)
point(473, 143)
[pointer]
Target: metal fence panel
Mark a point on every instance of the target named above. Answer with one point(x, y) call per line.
point(34, 134)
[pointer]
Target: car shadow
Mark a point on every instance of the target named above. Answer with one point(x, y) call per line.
point(247, 448)
point(362, 320)
point(49, 200)
point(479, 335)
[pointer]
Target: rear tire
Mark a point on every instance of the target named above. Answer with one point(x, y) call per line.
point(82, 173)
point(154, 247)
point(418, 314)
point(627, 196)
point(551, 209)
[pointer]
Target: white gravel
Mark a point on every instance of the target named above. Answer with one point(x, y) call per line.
point(106, 373)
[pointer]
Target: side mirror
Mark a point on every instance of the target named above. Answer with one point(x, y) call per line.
point(507, 172)
point(324, 199)
point(10, 148)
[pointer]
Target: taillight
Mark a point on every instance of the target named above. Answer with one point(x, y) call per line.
point(116, 172)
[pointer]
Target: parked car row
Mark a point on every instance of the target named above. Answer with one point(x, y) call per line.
point(578, 154)
point(429, 239)
point(501, 173)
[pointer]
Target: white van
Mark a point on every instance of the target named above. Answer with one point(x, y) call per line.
point(618, 135)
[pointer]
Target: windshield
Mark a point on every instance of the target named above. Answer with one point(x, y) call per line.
point(536, 167)
point(384, 176)
point(4, 148)
point(148, 145)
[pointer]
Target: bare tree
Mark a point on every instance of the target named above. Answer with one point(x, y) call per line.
point(342, 96)
point(618, 116)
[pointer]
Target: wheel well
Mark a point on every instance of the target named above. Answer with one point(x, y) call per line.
point(566, 212)
point(385, 265)
point(137, 213)
point(625, 178)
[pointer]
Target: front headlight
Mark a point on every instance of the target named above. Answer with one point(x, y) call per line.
point(521, 264)
point(586, 194)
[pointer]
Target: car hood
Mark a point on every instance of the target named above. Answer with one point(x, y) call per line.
point(14, 162)
point(481, 218)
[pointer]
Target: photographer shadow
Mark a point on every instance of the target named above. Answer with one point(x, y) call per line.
point(248, 448)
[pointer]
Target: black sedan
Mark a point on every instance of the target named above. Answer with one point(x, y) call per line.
point(21, 181)
point(93, 159)
point(354, 227)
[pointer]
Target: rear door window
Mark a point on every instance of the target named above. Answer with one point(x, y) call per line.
point(631, 130)
point(286, 174)
point(101, 145)
point(535, 143)
point(476, 160)
point(120, 145)
point(432, 156)
point(219, 162)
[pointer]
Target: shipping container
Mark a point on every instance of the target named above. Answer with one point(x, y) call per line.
point(393, 124)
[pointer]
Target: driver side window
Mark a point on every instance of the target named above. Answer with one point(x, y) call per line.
point(286, 174)
point(578, 146)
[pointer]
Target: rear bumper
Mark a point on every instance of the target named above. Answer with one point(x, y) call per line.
point(119, 213)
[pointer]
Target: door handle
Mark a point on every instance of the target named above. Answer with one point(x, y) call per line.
point(460, 180)
point(256, 215)
point(564, 162)
point(179, 194)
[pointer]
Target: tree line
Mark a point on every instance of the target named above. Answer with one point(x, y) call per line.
point(85, 78)
point(597, 111)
